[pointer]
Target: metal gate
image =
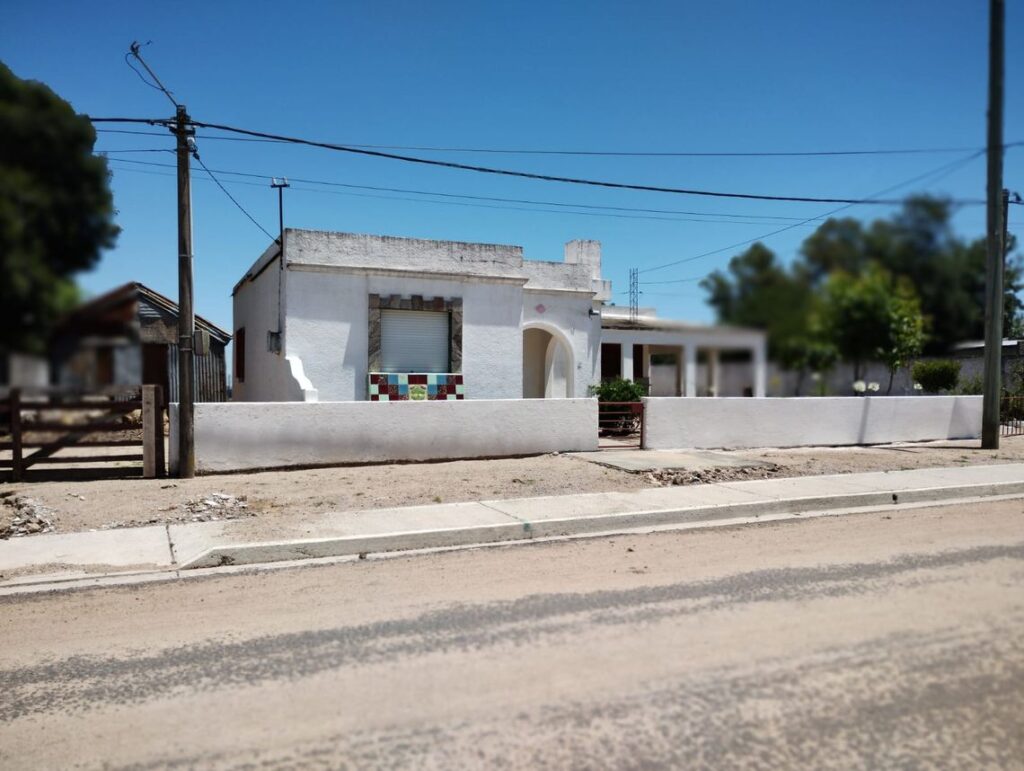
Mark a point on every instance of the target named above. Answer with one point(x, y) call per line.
point(1011, 416)
point(620, 425)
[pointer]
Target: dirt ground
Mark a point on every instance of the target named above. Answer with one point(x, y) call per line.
point(877, 640)
point(76, 506)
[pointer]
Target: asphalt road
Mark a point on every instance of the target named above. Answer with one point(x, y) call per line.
point(885, 640)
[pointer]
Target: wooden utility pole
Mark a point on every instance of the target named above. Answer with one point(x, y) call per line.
point(994, 232)
point(186, 313)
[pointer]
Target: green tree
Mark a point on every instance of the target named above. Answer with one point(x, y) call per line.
point(916, 244)
point(56, 209)
point(757, 291)
point(856, 314)
point(906, 330)
point(837, 245)
point(873, 316)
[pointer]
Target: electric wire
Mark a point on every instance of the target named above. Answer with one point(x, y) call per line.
point(534, 175)
point(133, 50)
point(610, 153)
point(233, 199)
point(745, 218)
point(445, 203)
point(941, 171)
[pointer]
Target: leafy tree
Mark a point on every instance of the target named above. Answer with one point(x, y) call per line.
point(857, 315)
point(873, 316)
point(56, 210)
point(916, 245)
point(757, 291)
point(906, 330)
point(837, 245)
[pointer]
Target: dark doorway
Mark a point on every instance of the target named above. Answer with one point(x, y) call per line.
point(611, 361)
point(154, 366)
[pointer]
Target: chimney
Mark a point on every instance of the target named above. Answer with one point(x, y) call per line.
point(585, 253)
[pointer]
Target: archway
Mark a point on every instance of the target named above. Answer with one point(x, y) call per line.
point(547, 365)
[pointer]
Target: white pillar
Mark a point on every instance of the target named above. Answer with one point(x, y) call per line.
point(627, 361)
point(690, 370)
point(760, 368)
point(713, 367)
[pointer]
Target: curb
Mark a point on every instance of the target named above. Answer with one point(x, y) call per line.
point(527, 530)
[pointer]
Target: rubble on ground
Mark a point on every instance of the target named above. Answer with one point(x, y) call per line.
point(672, 477)
point(21, 516)
point(213, 507)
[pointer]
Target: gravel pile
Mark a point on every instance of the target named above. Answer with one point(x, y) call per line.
point(214, 507)
point(21, 516)
point(672, 477)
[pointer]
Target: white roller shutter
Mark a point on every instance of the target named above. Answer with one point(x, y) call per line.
point(413, 341)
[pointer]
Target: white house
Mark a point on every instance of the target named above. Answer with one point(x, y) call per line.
point(348, 317)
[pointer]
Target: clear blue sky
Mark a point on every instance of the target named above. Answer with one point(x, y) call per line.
point(671, 76)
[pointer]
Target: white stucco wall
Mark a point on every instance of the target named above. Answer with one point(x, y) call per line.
point(267, 374)
point(748, 422)
point(567, 315)
point(232, 436)
point(328, 329)
point(327, 283)
point(27, 371)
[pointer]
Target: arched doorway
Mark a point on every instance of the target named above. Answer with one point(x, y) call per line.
point(547, 365)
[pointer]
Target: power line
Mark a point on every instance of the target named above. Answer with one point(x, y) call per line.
point(233, 199)
point(941, 171)
point(732, 218)
point(155, 150)
point(169, 122)
point(133, 50)
point(444, 203)
point(533, 175)
point(606, 153)
point(128, 61)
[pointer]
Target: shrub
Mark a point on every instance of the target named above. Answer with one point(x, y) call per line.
point(619, 390)
point(936, 375)
point(972, 385)
point(611, 419)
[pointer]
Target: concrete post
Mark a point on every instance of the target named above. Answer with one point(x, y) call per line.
point(627, 361)
point(760, 369)
point(690, 370)
point(153, 466)
point(714, 371)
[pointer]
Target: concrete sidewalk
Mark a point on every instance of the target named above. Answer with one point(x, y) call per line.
point(202, 545)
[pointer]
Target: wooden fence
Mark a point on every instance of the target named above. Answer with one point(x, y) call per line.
point(37, 425)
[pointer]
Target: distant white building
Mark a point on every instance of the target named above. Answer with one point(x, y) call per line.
point(343, 317)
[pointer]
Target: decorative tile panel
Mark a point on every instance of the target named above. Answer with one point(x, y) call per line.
point(427, 386)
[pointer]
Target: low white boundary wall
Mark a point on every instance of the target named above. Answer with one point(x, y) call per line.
point(231, 436)
point(744, 422)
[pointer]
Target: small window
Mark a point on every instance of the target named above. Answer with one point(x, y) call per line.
point(414, 341)
point(240, 355)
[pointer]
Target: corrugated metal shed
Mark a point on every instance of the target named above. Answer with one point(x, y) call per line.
point(140, 327)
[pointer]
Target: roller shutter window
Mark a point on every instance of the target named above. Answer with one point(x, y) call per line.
point(414, 341)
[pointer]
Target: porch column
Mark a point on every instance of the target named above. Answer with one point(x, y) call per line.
point(760, 369)
point(713, 370)
point(626, 350)
point(690, 370)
